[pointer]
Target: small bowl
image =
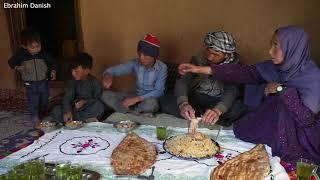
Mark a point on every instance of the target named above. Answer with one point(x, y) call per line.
point(125, 126)
point(73, 125)
point(47, 126)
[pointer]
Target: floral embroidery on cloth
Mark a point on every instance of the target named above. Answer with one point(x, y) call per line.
point(84, 145)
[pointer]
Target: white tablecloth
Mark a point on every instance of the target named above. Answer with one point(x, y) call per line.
point(92, 145)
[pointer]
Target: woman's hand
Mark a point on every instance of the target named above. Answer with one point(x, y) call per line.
point(187, 67)
point(211, 116)
point(186, 111)
point(271, 88)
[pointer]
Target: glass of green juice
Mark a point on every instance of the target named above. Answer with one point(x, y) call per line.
point(305, 169)
point(35, 169)
point(62, 171)
point(161, 133)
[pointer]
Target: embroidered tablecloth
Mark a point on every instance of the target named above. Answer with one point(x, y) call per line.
point(92, 145)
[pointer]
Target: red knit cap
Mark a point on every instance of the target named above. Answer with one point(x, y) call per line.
point(149, 45)
point(151, 39)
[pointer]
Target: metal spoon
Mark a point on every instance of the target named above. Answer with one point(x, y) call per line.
point(151, 177)
point(219, 132)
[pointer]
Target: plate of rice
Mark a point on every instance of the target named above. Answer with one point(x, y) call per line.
point(191, 146)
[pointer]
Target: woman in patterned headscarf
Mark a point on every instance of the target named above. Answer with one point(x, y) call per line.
point(284, 94)
point(197, 95)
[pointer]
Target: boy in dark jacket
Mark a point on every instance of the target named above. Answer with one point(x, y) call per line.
point(34, 66)
point(81, 101)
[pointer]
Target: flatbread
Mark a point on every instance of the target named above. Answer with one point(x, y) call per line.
point(250, 165)
point(133, 155)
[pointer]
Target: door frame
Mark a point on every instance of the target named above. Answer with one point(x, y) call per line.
point(16, 19)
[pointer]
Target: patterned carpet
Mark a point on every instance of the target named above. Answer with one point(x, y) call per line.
point(16, 129)
point(16, 132)
point(13, 122)
point(13, 100)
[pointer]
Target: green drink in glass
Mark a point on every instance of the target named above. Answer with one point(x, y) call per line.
point(161, 133)
point(35, 169)
point(62, 171)
point(3, 177)
point(67, 171)
point(12, 175)
point(75, 173)
point(22, 175)
point(304, 169)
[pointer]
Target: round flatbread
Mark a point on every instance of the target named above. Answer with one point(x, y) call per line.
point(133, 156)
point(253, 164)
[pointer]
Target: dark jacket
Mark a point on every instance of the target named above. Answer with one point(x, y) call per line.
point(34, 67)
point(89, 89)
point(206, 84)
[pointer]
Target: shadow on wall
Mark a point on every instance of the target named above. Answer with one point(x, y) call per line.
point(173, 54)
point(113, 55)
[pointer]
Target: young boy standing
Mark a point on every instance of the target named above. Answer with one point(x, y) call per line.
point(34, 65)
point(82, 95)
point(150, 74)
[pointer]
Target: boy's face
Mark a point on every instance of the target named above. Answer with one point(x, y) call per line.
point(214, 56)
point(80, 73)
point(33, 48)
point(145, 60)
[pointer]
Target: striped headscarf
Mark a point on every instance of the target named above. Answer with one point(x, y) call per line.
point(221, 41)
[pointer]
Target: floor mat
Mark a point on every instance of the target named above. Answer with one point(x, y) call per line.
point(16, 132)
point(13, 122)
point(13, 100)
point(18, 141)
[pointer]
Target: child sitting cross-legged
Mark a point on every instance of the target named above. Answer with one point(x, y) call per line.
point(150, 74)
point(82, 95)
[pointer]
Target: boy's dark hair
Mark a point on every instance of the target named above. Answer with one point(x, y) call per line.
point(84, 60)
point(29, 36)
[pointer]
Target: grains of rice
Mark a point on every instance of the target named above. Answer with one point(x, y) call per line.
point(186, 145)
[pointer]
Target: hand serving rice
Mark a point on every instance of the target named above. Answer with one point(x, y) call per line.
point(191, 146)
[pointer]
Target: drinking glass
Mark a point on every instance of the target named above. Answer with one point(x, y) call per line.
point(161, 133)
point(304, 169)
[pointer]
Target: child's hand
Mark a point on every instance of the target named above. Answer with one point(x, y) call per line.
point(131, 101)
point(53, 75)
point(80, 104)
point(18, 68)
point(67, 116)
point(271, 88)
point(107, 81)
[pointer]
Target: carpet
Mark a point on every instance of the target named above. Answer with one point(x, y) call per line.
point(18, 141)
point(16, 132)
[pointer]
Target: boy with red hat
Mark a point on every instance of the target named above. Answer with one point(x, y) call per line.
point(150, 74)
